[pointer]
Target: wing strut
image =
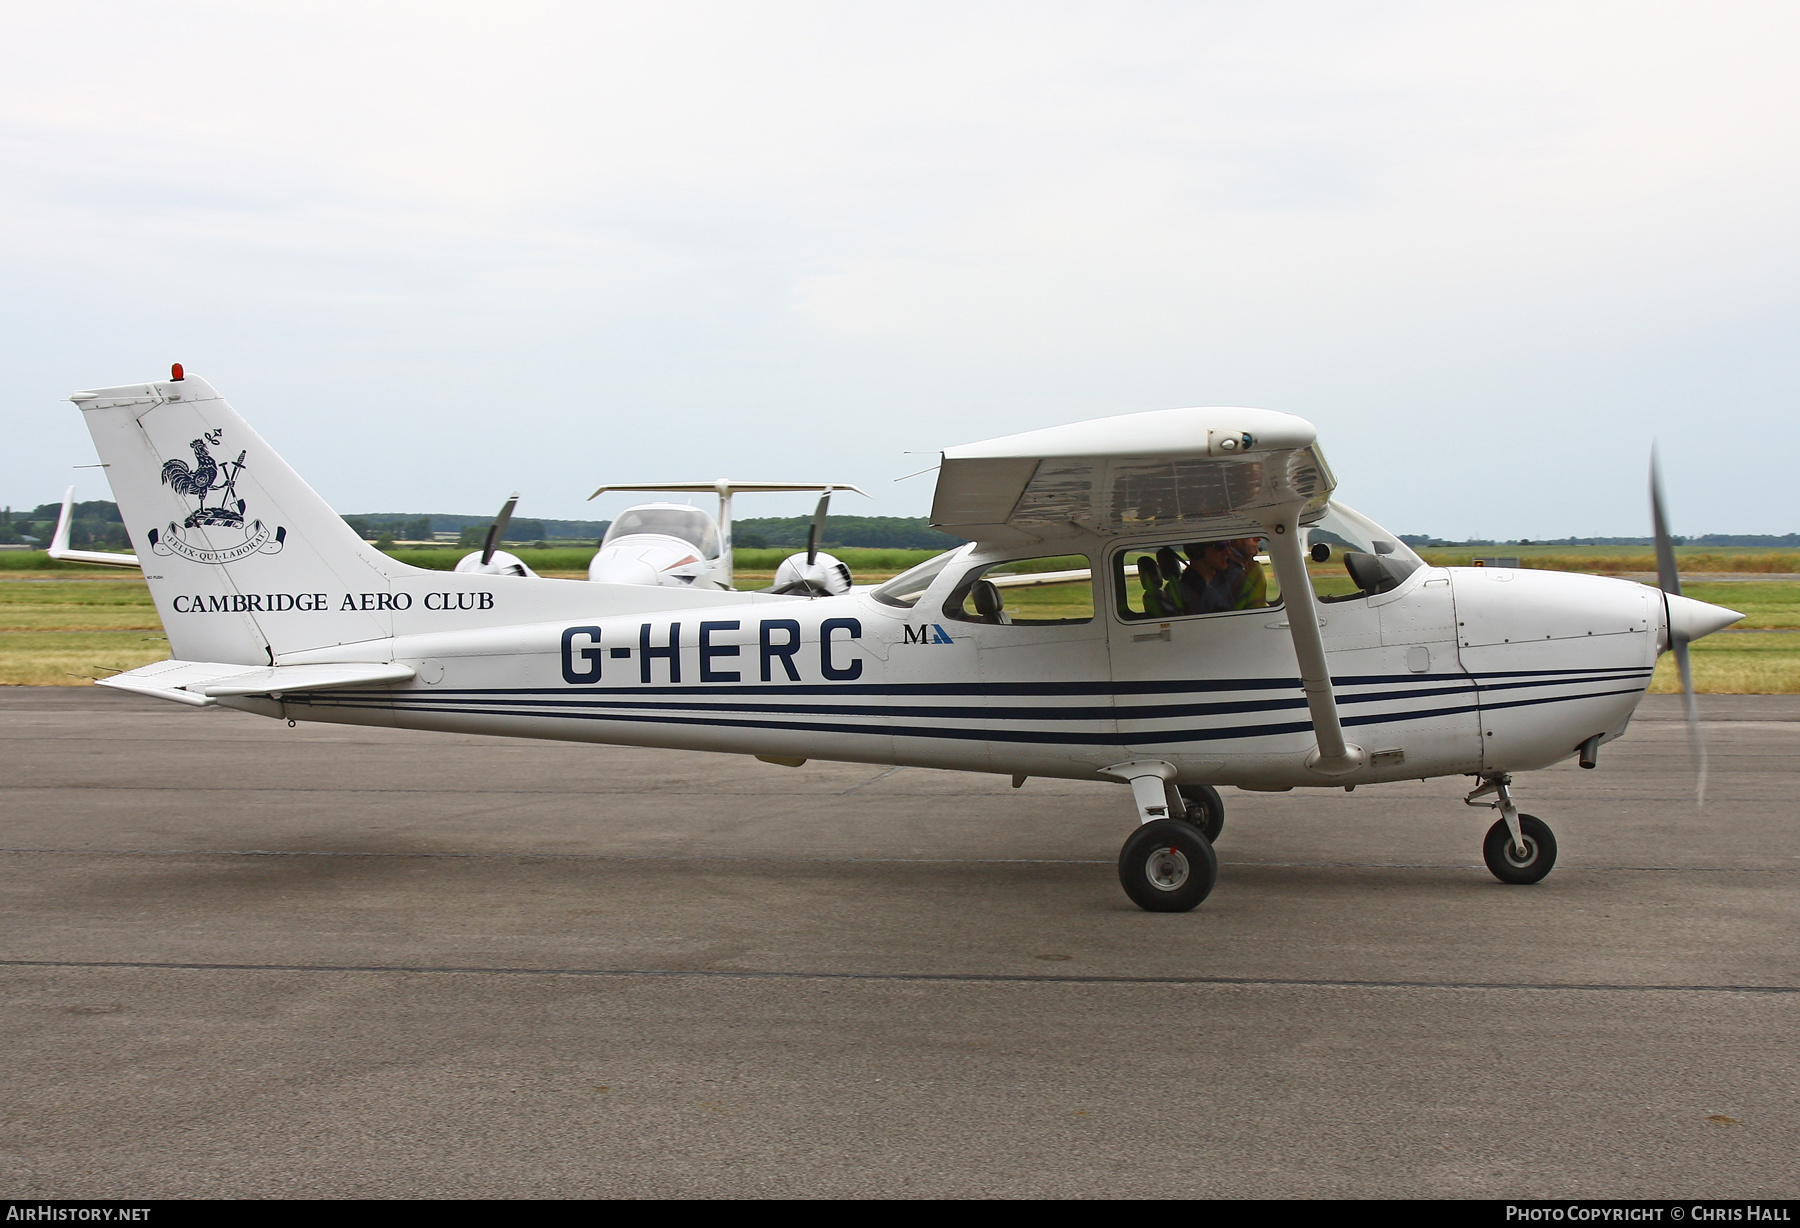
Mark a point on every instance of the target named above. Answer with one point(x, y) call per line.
point(1332, 756)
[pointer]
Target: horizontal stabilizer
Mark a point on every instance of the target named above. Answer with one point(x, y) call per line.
point(201, 683)
point(276, 679)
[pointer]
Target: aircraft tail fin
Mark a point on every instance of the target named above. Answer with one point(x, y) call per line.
point(241, 555)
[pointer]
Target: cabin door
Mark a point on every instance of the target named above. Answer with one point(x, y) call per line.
point(1196, 681)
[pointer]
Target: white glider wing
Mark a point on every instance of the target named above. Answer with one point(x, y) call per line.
point(59, 543)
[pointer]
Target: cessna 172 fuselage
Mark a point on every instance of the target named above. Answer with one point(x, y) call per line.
point(1049, 646)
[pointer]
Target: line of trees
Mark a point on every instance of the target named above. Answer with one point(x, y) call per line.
point(93, 525)
point(96, 526)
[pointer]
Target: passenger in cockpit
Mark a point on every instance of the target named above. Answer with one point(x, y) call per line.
point(1210, 584)
point(1156, 600)
point(1168, 564)
point(1253, 587)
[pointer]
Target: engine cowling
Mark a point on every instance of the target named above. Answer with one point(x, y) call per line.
point(500, 564)
point(825, 576)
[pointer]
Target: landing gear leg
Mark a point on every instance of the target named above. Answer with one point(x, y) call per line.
point(1518, 848)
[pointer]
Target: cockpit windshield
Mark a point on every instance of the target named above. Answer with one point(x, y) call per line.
point(690, 524)
point(905, 589)
point(1376, 559)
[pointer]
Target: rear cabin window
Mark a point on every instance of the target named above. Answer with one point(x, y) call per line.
point(1042, 592)
point(1182, 578)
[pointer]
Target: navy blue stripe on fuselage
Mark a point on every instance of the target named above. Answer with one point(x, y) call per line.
point(738, 706)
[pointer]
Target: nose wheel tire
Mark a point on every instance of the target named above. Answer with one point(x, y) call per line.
point(1168, 865)
point(1504, 860)
point(1205, 809)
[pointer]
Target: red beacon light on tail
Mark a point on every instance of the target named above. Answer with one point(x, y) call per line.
point(176, 373)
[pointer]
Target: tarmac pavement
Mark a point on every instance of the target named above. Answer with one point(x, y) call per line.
point(246, 960)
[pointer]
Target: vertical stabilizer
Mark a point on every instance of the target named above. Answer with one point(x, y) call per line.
point(244, 560)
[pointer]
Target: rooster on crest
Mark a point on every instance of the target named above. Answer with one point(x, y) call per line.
point(203, 479)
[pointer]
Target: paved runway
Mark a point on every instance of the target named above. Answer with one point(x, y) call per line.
point(242, 959)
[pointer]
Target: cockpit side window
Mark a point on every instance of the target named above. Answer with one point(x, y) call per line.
point(1042, 592)
point(1178, 579)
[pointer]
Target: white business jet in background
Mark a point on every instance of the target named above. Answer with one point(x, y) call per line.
point(1171, 678)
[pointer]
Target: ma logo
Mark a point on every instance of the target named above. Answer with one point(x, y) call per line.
point(930, 633)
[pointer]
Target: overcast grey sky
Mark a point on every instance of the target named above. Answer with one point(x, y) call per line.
point(439, 252)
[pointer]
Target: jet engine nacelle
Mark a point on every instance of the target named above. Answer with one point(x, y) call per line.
point(648, 558)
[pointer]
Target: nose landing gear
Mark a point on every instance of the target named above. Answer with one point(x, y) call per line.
point(1518, 848)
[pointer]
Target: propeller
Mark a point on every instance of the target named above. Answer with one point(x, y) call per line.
point(497, 530)
point(1668, 578)
point(818, 528)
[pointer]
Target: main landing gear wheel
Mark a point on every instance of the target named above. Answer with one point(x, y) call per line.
point(1504, 860)
point(1205, 809)
point(1167, 866)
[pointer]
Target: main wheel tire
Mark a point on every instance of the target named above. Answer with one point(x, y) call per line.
point(1167, 866)
point(1205, 809)
point(1506, 864)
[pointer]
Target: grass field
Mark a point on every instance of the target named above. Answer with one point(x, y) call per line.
point(58, 629)
point(64, 624)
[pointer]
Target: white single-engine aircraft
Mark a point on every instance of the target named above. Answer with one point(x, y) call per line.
point(1107, 621)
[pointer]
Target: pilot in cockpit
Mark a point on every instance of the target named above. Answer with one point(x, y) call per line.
point(1212, 579)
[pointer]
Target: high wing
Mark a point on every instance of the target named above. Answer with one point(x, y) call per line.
point(1204, 472)
point(1215, 472)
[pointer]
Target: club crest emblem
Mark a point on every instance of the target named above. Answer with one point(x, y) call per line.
point(223, 517)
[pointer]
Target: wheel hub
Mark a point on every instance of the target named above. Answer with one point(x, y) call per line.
point(1530, 855)
point(1167, 869)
